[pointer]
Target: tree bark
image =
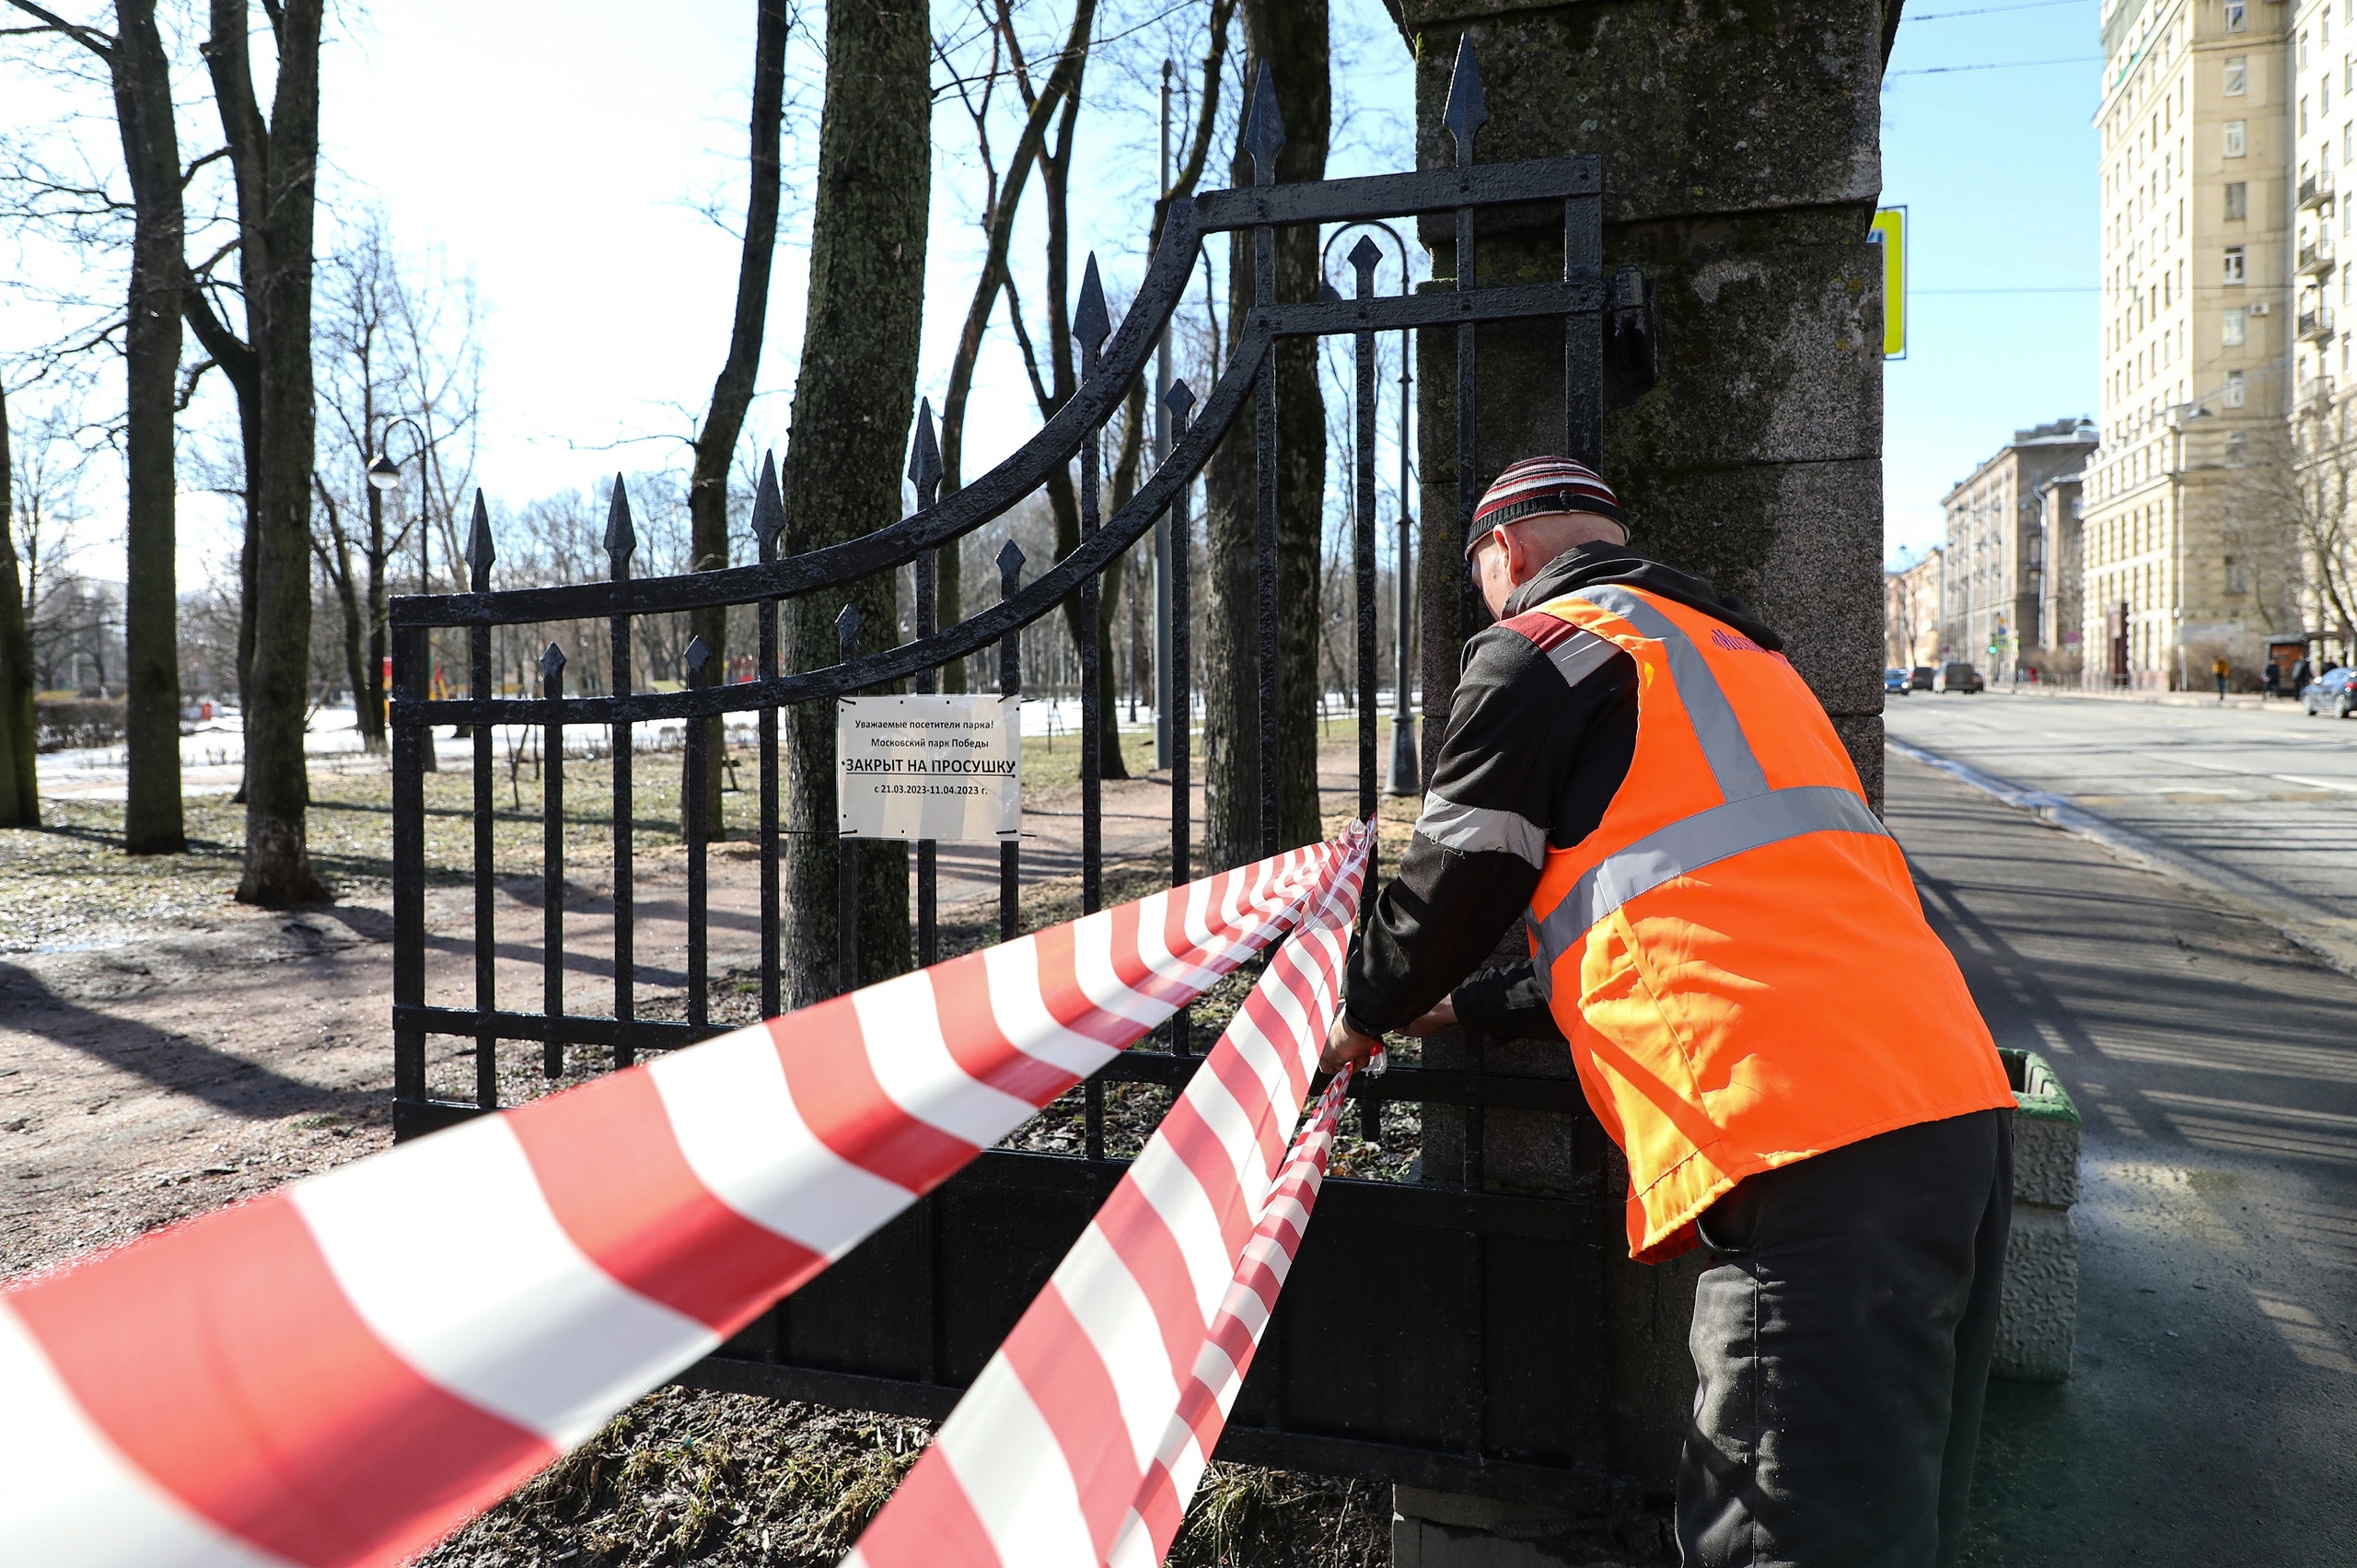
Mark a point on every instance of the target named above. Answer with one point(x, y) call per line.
point(143, 97)
point(1291, 41)
point(275, 165)
point(853, 403)
point(335, 559)
point(20, 789)
point(732, 392)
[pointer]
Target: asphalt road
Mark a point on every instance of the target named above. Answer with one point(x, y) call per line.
point(2259, 806)
point(2213, 1414)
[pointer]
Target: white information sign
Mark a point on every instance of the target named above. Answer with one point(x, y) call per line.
point(930, 767)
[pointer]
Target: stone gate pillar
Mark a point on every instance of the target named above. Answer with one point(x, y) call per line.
point(1741, 149)
point(1741, 153)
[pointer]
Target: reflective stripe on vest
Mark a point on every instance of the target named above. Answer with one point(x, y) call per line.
point(1752, 818)
point(1688, 844)
point(1715, 726)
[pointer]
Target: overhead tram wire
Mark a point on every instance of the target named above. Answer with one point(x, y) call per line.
point(1986, 10)
point(1995, 65)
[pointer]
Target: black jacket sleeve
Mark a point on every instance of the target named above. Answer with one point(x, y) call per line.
point(1530, 760)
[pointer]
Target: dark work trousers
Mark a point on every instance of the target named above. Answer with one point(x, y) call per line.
point(1842, 1338)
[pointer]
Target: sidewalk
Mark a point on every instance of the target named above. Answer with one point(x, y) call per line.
point(2211, 1415)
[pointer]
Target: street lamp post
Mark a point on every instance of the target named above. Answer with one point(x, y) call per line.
point(1405, 775)
point(384, 475)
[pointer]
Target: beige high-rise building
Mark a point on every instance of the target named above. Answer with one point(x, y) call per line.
point(2197, 317)
point(2303, 577)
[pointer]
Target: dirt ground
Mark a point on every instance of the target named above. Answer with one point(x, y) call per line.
point(165, 1050)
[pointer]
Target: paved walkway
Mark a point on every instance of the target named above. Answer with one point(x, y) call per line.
point(2213, 1418)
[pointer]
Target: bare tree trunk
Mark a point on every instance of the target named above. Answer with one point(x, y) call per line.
point(1298, 56)
point(1290, 41)
point(143, 94)
point(853, 403)
point(335, 559)
point(19, 788)
point(732, 392)
point(275, 164)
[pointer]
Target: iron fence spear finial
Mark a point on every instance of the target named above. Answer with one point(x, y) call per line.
point(1010, 560)
point(1178, 399)
point(1264, 131)
point(480, 553)
point(1362, 258)
point(1467, 111)
point(621, 537)
point(769, 510)
point(551, 662)
point(925, 458)
point(699, 655)
point(847, 624)
point(1091, 323)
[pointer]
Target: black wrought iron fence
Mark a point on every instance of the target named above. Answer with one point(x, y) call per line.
point(884, 1328)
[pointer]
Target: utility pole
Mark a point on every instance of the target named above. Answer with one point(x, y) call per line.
point(1162, 542)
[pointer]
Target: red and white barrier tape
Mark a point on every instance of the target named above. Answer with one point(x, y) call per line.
point(1085, 1436)
point(341, 1371)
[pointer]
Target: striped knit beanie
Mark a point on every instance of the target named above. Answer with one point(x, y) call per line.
point(1538, 485)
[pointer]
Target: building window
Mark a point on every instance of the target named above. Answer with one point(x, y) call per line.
point(2232, 328)
point(2237, 576)
point(2234, 264)
point(2303, 50)
point(2233, 394)
point(2235, 138)
point(2304, 115)
point(2238, 75)
point(2348, 141)
point(2237, 16)
point(2238, 201)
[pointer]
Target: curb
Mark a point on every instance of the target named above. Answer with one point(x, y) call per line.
point(2335, 949)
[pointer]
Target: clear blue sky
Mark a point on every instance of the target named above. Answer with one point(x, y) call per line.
point(1998, 171)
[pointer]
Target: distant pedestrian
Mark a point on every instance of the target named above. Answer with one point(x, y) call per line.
point(2218, 669)
point(2272, 681)
point(2302, 673)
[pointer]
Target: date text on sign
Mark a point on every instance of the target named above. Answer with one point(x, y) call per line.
point(929, 767)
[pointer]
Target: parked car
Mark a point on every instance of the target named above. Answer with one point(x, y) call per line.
point(2330, 693)
point(1920, 676)
point(1958, 676)
point(1896, 681)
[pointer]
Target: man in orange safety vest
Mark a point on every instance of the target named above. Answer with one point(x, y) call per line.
point(1731, 945)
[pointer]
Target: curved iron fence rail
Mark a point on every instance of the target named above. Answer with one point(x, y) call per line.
point(1449, 1428)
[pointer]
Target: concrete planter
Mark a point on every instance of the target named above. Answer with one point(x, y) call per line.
point(2039, 1318)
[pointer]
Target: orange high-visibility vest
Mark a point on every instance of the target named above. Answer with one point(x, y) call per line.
point(1737, 953)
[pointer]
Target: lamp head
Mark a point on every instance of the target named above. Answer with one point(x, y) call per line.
point(384, 473)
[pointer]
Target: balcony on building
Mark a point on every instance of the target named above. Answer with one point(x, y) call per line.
point(2315, 189)
point(2315, 392)
point(2315, 323)
point(2316, 258)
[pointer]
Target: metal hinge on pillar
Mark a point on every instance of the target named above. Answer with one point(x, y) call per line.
point(1631, 338)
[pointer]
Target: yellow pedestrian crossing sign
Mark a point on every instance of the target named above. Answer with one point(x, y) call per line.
point(1889, 231)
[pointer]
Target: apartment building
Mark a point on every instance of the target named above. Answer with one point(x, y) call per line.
point(2288, 576)
point(1910, 603)
point(2061, 613)
point(2198, 139)
point(1993, 584)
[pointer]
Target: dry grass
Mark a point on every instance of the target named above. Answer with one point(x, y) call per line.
point(727, 1480)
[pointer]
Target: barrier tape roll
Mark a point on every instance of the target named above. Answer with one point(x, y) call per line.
point(1086, 1435)
point(344, 1370)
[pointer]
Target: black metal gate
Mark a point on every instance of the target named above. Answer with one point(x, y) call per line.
point(1441, 1333)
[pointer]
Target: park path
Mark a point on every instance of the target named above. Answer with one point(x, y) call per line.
point(153, 1078)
